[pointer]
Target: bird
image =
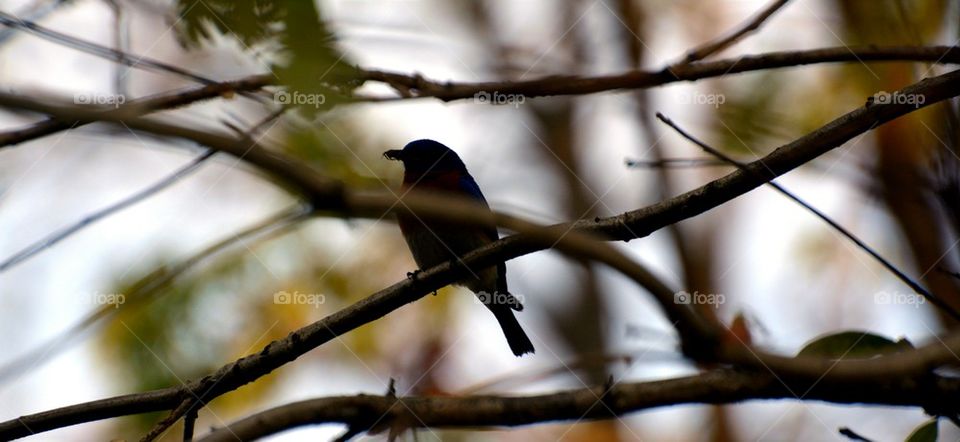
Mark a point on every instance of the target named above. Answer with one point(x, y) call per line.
point(430, 166)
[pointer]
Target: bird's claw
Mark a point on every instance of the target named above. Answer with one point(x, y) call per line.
point(413, 278)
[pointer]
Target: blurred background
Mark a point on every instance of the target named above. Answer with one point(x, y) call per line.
point(771, 266)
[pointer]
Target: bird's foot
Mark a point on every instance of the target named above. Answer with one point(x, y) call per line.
point(413, 278)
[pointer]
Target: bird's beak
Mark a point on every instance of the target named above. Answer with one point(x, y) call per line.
point(393, 154)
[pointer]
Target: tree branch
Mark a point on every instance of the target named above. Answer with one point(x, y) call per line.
point(376, 413)
point(142, 106)
point(420, 87)
point(99, 50)
point(55, 237)
point(147, 289)
point(556, 85)
point(714, 46)
point(332, 196)
point(915, 286)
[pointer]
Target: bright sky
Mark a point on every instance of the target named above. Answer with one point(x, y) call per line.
point(49, 183)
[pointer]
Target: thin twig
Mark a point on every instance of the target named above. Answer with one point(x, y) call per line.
point(155, 280)
point(943, 305)
point(119, 45)
point(191, 404)
point(852, 435)
point(141, 106)
point(332, 196)
point(38, 11)
point(64, 233)
point(149, 287)
point(714, 46)
point(184, 408)
point(97, 49)
point(675, 162)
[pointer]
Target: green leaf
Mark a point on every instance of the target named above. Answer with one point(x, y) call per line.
point(317, 75)
point(852, 345)
point(247, 20)
point(926, 432)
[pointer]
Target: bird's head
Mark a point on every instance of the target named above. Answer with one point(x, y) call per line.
point(426, 156)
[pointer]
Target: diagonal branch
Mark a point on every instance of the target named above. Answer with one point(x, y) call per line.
point(915, 286)
point(714, 46)
point(98, 50)
point(333, 197)
point(53, 238)
point(142, 106)
point(150, 287)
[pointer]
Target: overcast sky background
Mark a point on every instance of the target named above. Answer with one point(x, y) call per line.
point(48, 183)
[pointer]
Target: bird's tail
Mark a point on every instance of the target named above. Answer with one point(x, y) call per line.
point(519, 342)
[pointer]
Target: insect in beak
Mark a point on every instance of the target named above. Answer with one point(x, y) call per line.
point(393, 154)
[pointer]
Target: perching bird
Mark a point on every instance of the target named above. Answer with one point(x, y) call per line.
point(431, 166)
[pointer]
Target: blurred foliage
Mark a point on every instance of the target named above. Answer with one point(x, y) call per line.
point(755, 112)
point(315, 73)
point(228, 309)
point(250, 21)
point(220, 313)
point(193, 328)
point(853, 345)
point(927, 432)
point(337, 149)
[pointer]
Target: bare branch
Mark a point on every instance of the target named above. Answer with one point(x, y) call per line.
point(547, 86)
point(142, 106)
point(55, 237)
point(35, 12)
point(915, 286)
point(332, 196)
point(99, 50)
point(712, 47)
point(420, 87)
point(148, 288)
point(375, 413)
point(674, 162)
point(416, 86)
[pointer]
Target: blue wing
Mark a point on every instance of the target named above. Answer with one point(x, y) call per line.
point(469, 186)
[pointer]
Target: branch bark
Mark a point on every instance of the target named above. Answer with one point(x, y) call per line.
point(376, 413)
point(332, 196)
point(714, 46)
point(143, 106)
point(556, 85)
point(420, 87)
